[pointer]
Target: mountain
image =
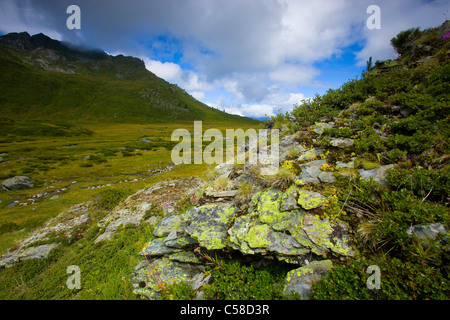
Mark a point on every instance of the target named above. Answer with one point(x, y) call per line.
point(46, 79)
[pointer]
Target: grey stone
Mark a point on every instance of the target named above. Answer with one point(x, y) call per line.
point(225, 194)
point(38, 252)
point(311, 171)
point(310, 154)
point(149, 278)
point(300, 280)
point(319, 127)
point(342, 142)
point(378, 174)
point(156, 247)
point(426, 232)
point(17, 183)
point(350, 164)
point(326, 177)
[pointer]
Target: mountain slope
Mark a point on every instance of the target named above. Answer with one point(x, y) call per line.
point(46, 79)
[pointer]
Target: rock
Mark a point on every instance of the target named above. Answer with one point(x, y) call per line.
point(311, 171)
point(309, 199)
point(426, 232)
point(342, 142)
point(38, 252)
point(378, 174)
point(17, 183)
point(54, 197)
point(119, 218)
point(320, 126)
point(2, 160)
point(208, 224)
point(326, 177)
point(290, 235)
point(310, 154)
point(225, 194)
point(149, 278)
point(225, 167)
point(300, 280)
point(350, 164)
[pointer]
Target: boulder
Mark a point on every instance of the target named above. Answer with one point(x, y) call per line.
point(208, 224)
point(300, 280)
point(17, 183)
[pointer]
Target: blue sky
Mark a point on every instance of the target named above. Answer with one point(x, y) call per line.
point(249, 57)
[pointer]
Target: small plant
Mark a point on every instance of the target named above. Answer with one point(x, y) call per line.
point(110, 198)
point(280, 180)
point(245, 191)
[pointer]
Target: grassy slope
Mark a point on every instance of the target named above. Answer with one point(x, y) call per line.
point(95, 93)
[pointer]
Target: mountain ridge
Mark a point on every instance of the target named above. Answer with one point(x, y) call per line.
point(46, 79)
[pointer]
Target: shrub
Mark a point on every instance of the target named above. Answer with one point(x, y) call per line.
point(398, 280)
point(235, 281)
point(110, 198)
point(431, 183)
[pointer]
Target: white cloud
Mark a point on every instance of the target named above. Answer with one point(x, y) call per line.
point(169, 71)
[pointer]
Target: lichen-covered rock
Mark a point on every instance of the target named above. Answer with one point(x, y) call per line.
point(268, 230)
point(150, 278)
point(208, 224)
point(37, 252)
point(17, 183)
point(319, 127)
point(300, 280)
point(310, 200)
point(310, 154)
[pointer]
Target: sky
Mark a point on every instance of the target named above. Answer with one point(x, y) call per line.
point(254, 58)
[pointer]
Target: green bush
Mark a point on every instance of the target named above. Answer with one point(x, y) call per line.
point(235, 281)
point(110, 198)
point(399, 280)
point(423, 182)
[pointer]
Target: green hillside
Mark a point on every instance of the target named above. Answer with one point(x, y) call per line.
point(45, 79)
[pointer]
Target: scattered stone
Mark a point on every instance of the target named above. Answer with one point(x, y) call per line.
point(426, 232)
point(17, 183)
point(320, 126)
point(311, 171)
point(300, 280)
point(342, 142)
point(326, 177)
point(310, 154)
point(378, 174)
point(2, 160)
point(350, 164)
point(54, 197)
